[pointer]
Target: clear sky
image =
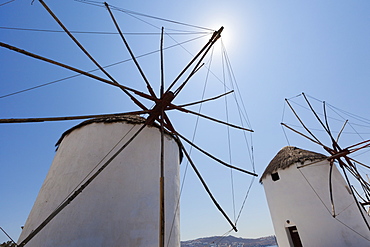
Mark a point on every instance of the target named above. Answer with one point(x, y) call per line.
point(277, 50)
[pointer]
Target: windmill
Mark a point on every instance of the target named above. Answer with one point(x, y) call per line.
point(311, 200)
point(156, 114)
point(338, 154)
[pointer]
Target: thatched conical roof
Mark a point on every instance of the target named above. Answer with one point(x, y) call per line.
point(288, 156)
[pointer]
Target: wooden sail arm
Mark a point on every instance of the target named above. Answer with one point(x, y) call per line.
point(13, 48)
point(161, 90)
point(215, 37)
point(167, 123)
point(52, 119)
point(358, 162)
point(365, 201)
point(88, 54)
point(206, 187)
point(353, 195)
point(216, 34)
point(162, 214)
point(331, 188)
point(161, 104)
point(337, 155)
point(215, 158)
point(209, 118)
point(341, 130)
point(76, 41)
point(309, 138)
point(359, 148)
point(203, 101)
point(326, 127)
point(303, 125)
point(8, 235)
point(150, 89)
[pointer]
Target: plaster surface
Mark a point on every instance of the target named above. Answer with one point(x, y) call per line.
point(301, 198)
point(121, 206)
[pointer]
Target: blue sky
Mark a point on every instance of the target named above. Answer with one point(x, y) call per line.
point(277, 49)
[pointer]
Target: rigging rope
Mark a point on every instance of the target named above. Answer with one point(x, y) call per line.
point(282, 127)
point(217, 241)
point(245, 200)
point(101, 32)
point(101, 4)
point(329, 211)
point(94, 168)
point(209, 71)
point(110, 65)
point(240, 106)
point(228, 136)
point(354, 116)
point(2, 4)
point(234, 81)
point(193, 138)
point(350, 167)
point(242, 115)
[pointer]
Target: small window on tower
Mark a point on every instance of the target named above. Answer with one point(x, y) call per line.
point(275, 176)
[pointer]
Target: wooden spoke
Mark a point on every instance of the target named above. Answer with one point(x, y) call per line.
point(214, 158)
point(162, 186)
point(361, 197)
point(52, 119)
point(75, 70)
point(162, 65)
point(353, 194)
point(358, 162)
point(156, 116)
point(130, 51)
point(88, 54)
point(341, 130)
point(338, 154)
point(331, 188)
point(214, 38)
point(357, 175)
point(8, 235)
point(215, 35)
point(359, 148)
point(303, 125)
point(209, 118)
point(168, 124)
point(76, 41)
point(326, 127)
point(202, 101)
point(309, 138)
point(206, 187)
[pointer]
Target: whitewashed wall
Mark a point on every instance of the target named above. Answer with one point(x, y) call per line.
point(121, 206)
point(302, 197)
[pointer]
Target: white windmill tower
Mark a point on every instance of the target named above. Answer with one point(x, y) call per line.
point(120, 207)
point(115, 178)
point(297, 192)
point(311, 202)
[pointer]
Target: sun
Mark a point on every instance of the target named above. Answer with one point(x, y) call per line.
point(228, 37)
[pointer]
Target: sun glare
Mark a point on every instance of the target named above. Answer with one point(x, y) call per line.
point(228, 37)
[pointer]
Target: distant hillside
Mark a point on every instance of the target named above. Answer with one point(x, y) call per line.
point(231, 241)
